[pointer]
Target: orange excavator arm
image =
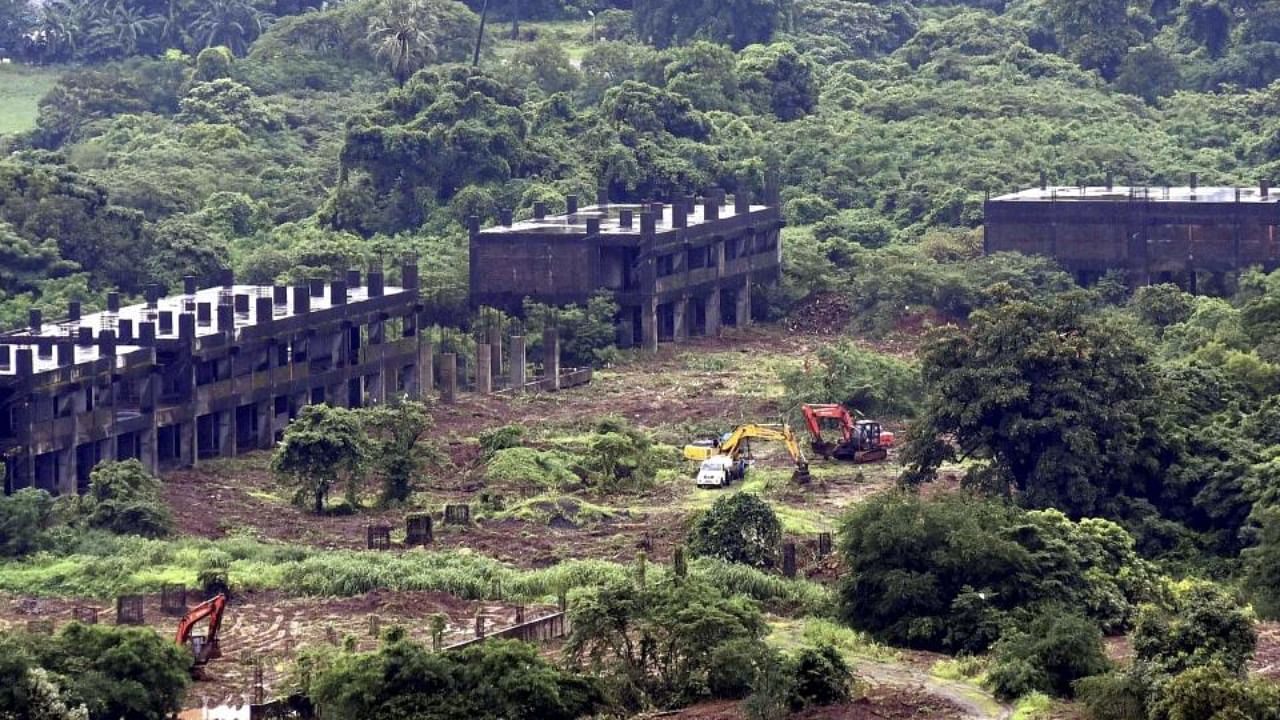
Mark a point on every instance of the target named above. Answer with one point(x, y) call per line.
point(814, 413)
point(211, 609)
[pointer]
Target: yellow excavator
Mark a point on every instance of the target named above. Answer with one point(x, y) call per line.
point(727, 459)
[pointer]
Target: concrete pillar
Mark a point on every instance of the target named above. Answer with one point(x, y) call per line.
point(495, 345)
point(484, 374)
point(189, 440)
point(65, 481)
point(744, 304)
point(150, 458)
point(551, 360)
point(649, 323)
point(713, 313)
point(680, 313)
point(425, 379)
point(266, 410)
point(378, 392)
point(518, 363)
point(448, 378)
point(227, 433)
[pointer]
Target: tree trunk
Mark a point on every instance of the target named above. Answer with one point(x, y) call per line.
point(515, 19)
point(319, 502)
point(484, 16)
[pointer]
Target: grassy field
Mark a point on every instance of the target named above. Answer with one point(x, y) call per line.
point(21, 87)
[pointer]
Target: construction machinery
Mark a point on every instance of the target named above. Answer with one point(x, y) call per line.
point(728, 459)
point(861, 441)
point(203, 647)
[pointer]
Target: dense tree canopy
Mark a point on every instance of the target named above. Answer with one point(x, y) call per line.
point(1051, 400)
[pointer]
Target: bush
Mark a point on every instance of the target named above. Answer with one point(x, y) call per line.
point(1213, 693)
point(126, 673)
point(24, 518)
point(1202, 626)
point(657, 641)
point(124, 498)
point(821, 678)
point(858, 378)
point(944, 573)
point(735, 666)
point(1053, 651)
point(739, 528)
point(527, 466)
point(488, 681)
point(1115, 696)
point(503, 438)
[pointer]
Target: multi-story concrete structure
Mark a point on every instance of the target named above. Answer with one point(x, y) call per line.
point(1154, 234)
point(210, 372)
point(675, 269)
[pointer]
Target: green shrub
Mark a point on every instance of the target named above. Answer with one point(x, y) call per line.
point(686, 620)
point(503, 438)
point(1202, 625)
point(24, 518)
point(495, 680)
point(530, 467)
point(739, 528)
point(822, 677)
point(1213, 693)
point(1047, 655)
point(859, 378)
point(125, 499)
point(1115, 696)
point(942, 573)
point(734, 667)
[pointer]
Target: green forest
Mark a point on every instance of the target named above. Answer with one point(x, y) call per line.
point(1117, 450)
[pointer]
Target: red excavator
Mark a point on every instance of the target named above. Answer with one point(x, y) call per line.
point(203, 647)
point(861, 441)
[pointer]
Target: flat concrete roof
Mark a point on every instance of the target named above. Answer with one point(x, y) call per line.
point(608, 215)
point(176, 304)
point(1121, 193)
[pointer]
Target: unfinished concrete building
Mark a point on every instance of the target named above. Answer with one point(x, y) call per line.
point(675, 269)
point(1197, 237)
point(208, 373)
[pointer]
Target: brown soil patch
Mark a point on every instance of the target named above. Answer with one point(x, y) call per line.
point(1266, 658)
point(271, 628)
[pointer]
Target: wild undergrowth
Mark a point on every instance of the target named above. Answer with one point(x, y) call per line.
point(101, 566)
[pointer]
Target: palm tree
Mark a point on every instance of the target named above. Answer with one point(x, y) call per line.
point(234, 23)
point(121, 29)
point(404, 37)
point(60, 28)
point(173, 26)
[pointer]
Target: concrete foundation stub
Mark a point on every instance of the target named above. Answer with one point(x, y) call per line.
point(713, 313)
point(649, 325)
point(495, 345)
point(551, 360)
point(518, 363)
point(448, 378)
point(484, 376)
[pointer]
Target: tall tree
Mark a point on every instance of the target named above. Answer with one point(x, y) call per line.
point(1094, 33)
point(234, 23)
point(323, 446)
point(402, 35)
point(1045, 399)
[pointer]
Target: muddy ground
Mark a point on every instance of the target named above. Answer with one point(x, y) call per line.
point(270, 628)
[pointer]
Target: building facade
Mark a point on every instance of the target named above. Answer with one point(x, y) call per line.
point(1186, 235)
point(211, 372)
point(675, 269)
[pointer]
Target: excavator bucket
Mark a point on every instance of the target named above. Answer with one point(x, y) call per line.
point(801, 476)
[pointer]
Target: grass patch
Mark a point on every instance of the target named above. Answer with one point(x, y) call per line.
point(969, 668)
point(21, 87)
point(104, 566)
point(557, 510)
point(1036, 706)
